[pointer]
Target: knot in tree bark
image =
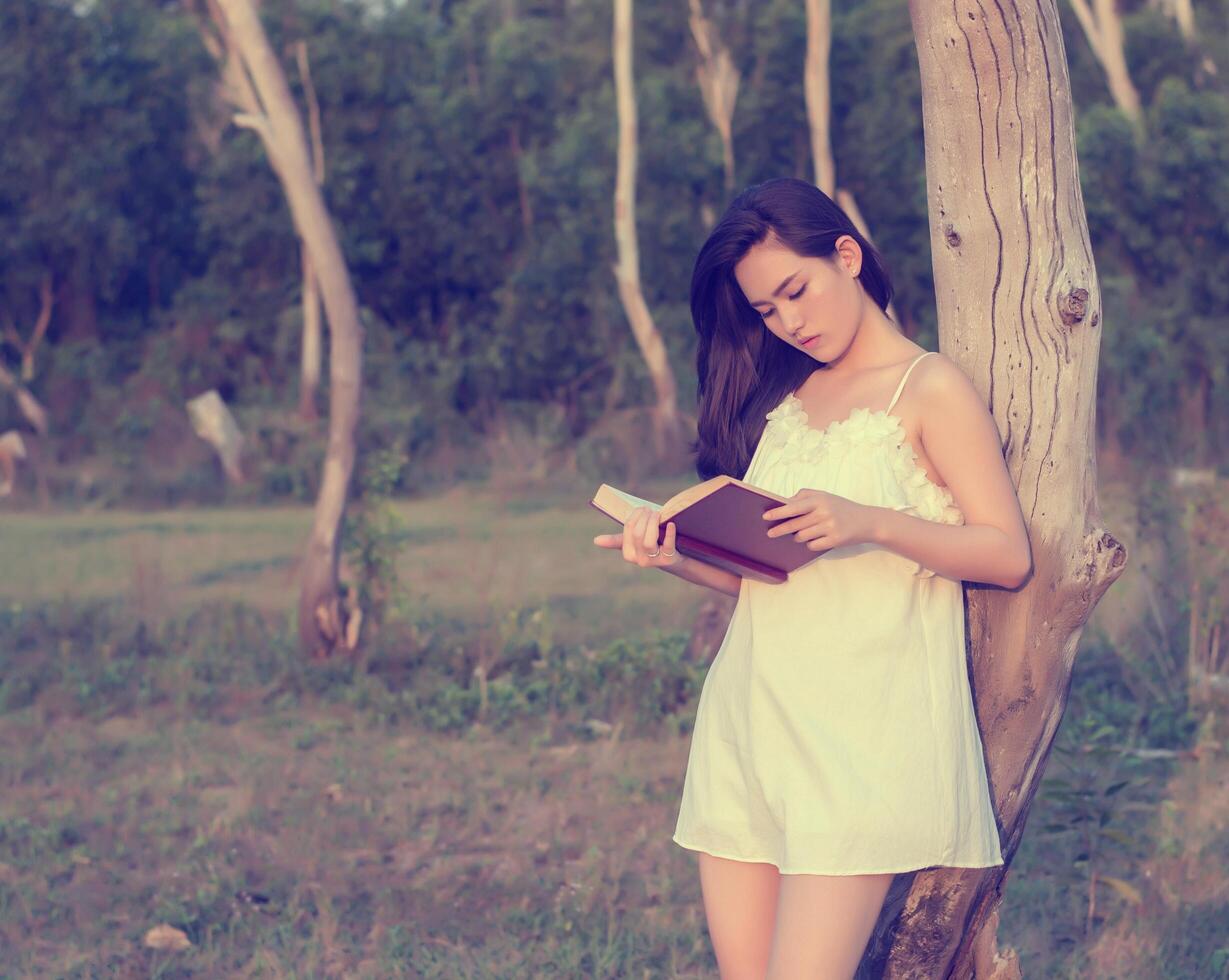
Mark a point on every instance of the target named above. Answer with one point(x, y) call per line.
point(1073, 306)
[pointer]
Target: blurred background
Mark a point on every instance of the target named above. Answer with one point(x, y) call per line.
point(486, 784)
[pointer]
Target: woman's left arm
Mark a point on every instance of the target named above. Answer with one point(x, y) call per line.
point(962, 440)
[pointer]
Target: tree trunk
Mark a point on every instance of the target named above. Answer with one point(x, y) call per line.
point(718, 80)
point(817, 92)
point(667, 426)
point(847, 203)
point(1103, 28)
point(1183, 14)
point(1019, 309)
point(258, 84)
point(310, 351)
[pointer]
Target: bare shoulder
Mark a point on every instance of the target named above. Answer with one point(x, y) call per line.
point(940, 380)
point(948, 399)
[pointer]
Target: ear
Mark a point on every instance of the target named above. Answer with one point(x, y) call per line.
point(849, 255)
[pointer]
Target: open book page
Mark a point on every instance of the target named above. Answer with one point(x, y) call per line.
point(634, 501)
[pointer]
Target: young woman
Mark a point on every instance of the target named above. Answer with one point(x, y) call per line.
point(835, 741)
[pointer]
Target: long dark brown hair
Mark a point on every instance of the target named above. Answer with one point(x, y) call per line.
point(744, 369)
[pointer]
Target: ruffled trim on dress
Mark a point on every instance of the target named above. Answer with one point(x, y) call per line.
point(797, 439)
point(800, 439)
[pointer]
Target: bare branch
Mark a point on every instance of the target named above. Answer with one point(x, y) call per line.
point(28, 348)
point(258, 124)
point(29, 406)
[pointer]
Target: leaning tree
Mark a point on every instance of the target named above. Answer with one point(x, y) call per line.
point(1019, 311)
point(255, 84)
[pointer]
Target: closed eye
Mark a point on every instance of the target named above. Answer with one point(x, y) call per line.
point(801, 289)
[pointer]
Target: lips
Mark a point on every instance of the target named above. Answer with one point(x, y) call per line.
point(810, 341)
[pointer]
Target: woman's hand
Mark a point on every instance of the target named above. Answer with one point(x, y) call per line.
point(638, 540)
point(823, 520)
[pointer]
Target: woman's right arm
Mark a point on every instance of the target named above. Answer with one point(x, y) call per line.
point(639, 538)
point(703, 574)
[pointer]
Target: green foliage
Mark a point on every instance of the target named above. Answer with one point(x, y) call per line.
point(94, 661)
point(1158, 215)
point(637, 685)
point(372, 534)
point(470, 157)
point(96, 181)
point(1084, 801)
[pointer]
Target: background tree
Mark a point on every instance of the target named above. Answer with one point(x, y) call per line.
point(718, 80)
point(257, 86)
point(817, 91)
point(96, 198)
point(1103, 28)
point(470, 159)
point(667, 427)
point(313, 334)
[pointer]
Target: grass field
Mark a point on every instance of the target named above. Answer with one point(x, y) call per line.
point(186, 769)
point(463, 553)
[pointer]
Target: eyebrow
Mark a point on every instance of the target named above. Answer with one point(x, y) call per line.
point(777, 291)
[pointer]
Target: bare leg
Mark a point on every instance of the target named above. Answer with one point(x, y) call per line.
point(740, 901)
point(823, 924)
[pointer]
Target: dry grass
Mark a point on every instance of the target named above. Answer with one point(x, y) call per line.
point(310, 838)
point(321, 848)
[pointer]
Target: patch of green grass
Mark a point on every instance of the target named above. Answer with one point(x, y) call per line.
point(248, 569)
point(466, 552)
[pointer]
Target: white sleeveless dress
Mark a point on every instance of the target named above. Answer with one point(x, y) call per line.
point(835, 731)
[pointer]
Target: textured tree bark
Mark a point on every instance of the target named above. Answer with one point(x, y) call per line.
point(667, 426)
point(257, 85)
point(1019, 309)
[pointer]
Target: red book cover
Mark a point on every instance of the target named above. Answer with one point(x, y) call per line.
point(719, 522)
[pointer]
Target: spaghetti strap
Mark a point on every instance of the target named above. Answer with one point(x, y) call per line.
point(901, 387)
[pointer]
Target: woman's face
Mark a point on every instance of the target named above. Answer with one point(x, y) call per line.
point(812, 304)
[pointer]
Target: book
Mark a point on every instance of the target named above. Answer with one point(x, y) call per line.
point(719, 522)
